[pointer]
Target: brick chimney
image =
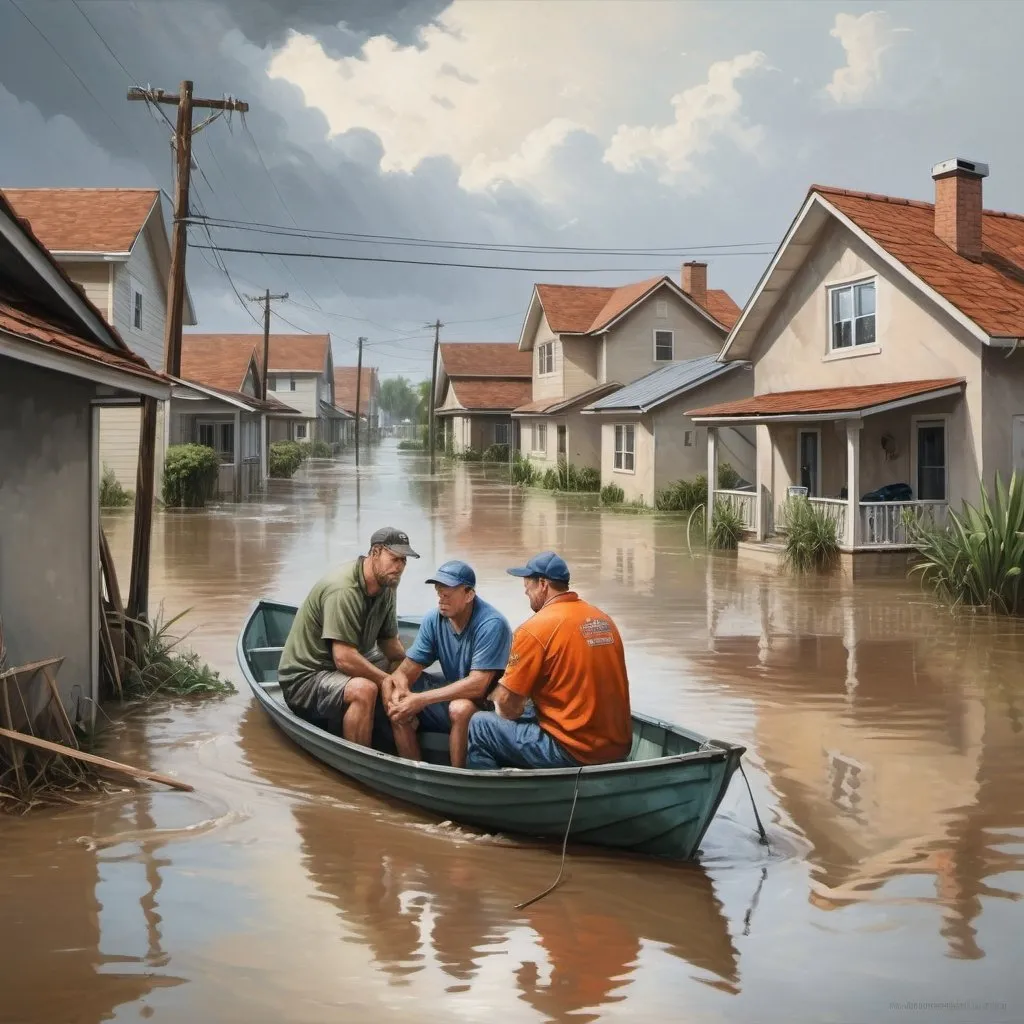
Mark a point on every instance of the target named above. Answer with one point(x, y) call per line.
point(695, 282)
point(958, 205)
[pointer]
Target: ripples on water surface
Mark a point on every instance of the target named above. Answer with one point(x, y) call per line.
point(884, 751)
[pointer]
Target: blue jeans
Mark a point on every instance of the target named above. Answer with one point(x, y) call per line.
point(498, 743)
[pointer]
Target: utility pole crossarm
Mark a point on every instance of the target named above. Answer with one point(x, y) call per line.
point(160, 96)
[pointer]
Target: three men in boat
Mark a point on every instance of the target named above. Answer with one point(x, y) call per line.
point(559, 684)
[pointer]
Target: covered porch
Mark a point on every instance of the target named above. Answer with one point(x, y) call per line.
point(871, 457)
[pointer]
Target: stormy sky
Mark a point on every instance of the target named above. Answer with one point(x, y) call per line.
point(525, 127)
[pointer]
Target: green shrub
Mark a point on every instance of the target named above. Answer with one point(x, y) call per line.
point(612, 494)
point(495, 453)
point(190, 475)
point(588, 479)
point(284, 457)
point(683, 495)
point(728, 478)
point(727, 525)
point(524, 472)
point(812, 537)
point(112, 494)
point(978, 559)
point(551, 479)
point(316, 449)
point(410, 446)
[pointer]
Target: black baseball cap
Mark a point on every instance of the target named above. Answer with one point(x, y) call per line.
point(394, 540)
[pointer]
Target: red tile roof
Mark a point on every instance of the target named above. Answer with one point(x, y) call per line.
point(345, 388)
point(84, 219)
point(491, 394)
point(578, 309)
point(991, 293)
point(825, 400)
point(218, 360)
point(485, 359)
point(540, 406)
point(302, 352)
point(16, 319)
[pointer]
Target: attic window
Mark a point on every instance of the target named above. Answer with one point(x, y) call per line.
point(853, 315)
point(661, 309)
point(546, 358)
point(664, 346)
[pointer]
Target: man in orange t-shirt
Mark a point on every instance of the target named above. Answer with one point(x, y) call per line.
point(569, 660)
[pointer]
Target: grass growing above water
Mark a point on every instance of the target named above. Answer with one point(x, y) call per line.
point(812, 538)
point(159, 666)
point(978, 559)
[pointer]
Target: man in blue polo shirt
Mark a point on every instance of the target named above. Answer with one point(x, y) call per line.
point(471, 640)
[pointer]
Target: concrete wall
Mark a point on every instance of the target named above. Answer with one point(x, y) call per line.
point(582, 440)
point(916, 340)
point(638, 484)
point(629, 345)
point(48, 500)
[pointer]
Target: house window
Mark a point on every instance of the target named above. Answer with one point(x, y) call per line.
point(300, 431)
point(661, 309)
point(136, 304)
point(501, 432)
point(664, 344)
point(546, 358)
point(853, 316)
point(540, 437)
point(218, 436)
point(688, 439)
point(931, 460)
point(284, 382)
point(625, 447)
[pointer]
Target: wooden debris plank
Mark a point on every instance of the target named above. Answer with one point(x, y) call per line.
point(101, 762)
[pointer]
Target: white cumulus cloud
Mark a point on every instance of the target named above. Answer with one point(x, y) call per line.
point(499, 87)
point(702, 113)
point(865, 39)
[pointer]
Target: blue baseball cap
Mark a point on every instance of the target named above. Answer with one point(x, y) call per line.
point(454, 574)
point(547, 564)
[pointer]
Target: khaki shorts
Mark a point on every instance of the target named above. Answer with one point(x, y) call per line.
point(322, 695)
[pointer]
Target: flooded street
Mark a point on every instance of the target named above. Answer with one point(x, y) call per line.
point(885, 752)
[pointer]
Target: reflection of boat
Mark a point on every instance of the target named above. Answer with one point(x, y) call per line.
point(659, 801)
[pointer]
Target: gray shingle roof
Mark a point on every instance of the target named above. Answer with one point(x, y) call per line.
point(666, 382)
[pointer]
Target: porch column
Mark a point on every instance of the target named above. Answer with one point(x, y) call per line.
point(761, 437)
point(238, 455)
point(712, 476)
point(264, 453)
point(853, 428)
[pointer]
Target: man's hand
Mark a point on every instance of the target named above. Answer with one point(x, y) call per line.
point(405, 706)
point(391, 686)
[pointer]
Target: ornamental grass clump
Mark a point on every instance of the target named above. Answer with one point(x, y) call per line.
point(727, 526)
point(812, 537)
point(978, 559)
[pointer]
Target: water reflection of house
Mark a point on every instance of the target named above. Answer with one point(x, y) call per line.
point(878, 739)
point(628, 554)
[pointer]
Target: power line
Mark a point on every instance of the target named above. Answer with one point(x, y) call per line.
point(263, 227)
point(464, 266)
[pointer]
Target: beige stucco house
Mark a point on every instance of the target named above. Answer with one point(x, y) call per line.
point(478, 386)
point(61, 366)
point(586, 342)
point(648, 443)
point(114, 243)
point(884, 339)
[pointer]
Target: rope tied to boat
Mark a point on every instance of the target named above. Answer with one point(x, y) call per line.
point(757, 817)
point(565, 842)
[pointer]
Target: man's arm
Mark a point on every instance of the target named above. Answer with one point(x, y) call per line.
point(349, 661)
point(525, 668)
point(392, 648)
point(401, 679)
point(472, 687)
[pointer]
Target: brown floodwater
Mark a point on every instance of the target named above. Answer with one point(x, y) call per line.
point(885, 745)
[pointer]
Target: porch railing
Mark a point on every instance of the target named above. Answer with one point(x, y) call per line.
point(883, 524)
point(742, 503)
point(835, 509)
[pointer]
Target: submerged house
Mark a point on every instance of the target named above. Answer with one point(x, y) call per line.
point(586, 342)
point(113, 242)
point(61, 366)
point(885, 343)
point(217, 402)
point(479, 384)
point(346, 380)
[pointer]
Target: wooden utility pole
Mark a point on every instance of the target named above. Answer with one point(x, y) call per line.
point(437, 325)
point(138, 594)
point(359, 388)
point(266, 299)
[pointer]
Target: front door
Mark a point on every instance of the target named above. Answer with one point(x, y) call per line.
point(1018, 443)
point(561, 440)
point(931, 460)
point(809, 443)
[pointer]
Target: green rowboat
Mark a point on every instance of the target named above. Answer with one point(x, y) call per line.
point(659, 801)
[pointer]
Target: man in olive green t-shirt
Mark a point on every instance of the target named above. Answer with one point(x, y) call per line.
point(344, 640)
